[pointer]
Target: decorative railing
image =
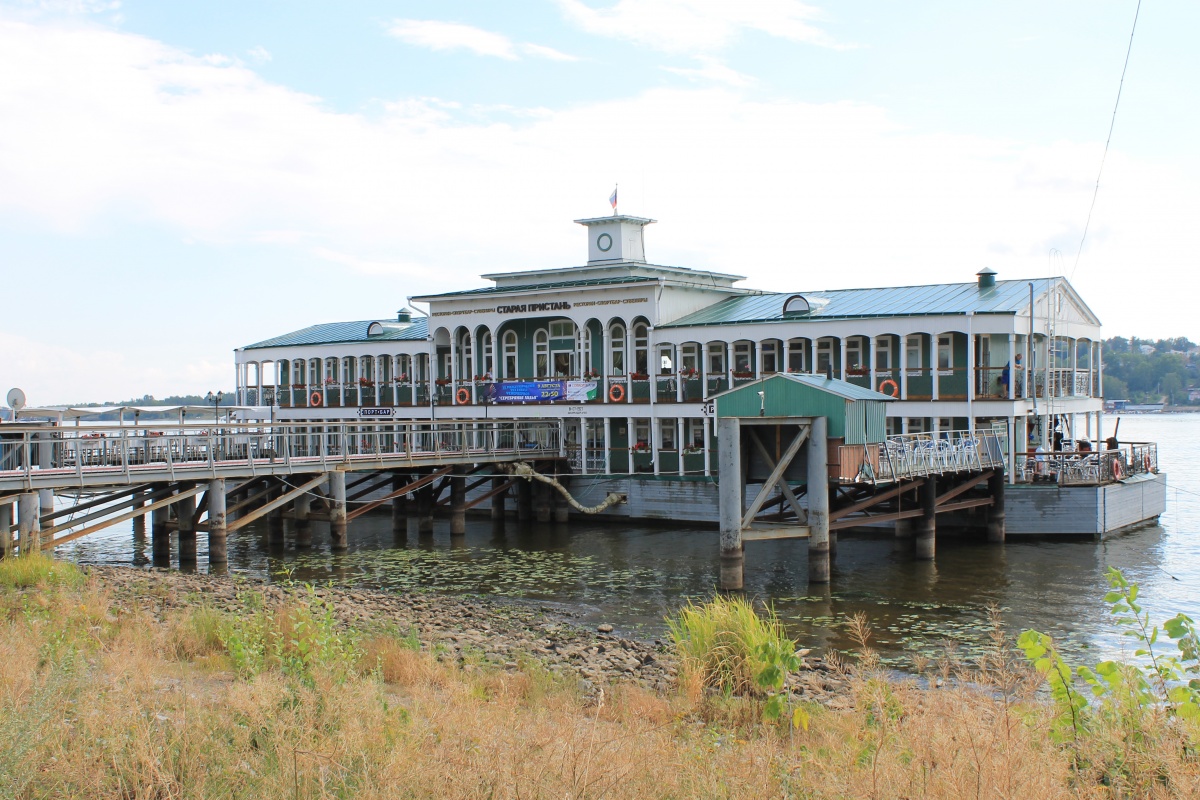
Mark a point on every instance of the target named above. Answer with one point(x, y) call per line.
point(915, 455)
point(194, 450)
point(1087, 467)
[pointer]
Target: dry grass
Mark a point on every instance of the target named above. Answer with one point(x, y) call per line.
point(96, 702)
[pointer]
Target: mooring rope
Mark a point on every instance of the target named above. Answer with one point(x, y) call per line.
point(523, 470)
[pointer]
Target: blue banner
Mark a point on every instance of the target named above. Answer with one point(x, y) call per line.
point(540, 391)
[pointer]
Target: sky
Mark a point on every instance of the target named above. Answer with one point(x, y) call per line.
point(178, 179)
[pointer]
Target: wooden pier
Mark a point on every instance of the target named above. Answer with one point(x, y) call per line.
point(219, 479)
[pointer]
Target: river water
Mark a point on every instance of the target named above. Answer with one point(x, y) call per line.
point(632, 576)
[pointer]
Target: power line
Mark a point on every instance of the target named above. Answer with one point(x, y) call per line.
point(1111, 125)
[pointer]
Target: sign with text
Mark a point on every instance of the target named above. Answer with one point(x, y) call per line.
point(541, 391)
point(380, 411)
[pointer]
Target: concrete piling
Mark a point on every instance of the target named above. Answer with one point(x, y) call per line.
point(337, 510)
point(458, 510)
point(926, 540)
point(498, 500)
point(29, 526)
point(995, 517)
point(425, 511)
point(301, 515)
point(524, 500)
point(216, 522)
point(818, 502)
point(185, 510)
point(6, 521)
point(160, 534)
point(730, 492)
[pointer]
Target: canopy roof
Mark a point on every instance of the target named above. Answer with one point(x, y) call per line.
point(77, 412)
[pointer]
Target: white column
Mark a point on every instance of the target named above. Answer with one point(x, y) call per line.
point(453, 376)
point(933, 365)
point(842, 355)
point(871, 362)
point(605, 365)
point(630, 441)
point(971, 373)
point(1012, 368)
point(704, 356)
point(708, 423)
point(679, 431)
point(729, 364)
point(655, 437)
point(758, 360)
point(678, 367)
point(1074, 363)
point(903, 362)
point(607, 440)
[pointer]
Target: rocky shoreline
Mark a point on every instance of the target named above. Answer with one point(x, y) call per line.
point(470, 630)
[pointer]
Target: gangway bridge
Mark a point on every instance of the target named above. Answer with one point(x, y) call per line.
point(220, 477)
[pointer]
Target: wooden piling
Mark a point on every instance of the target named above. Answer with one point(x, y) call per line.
point(425, 510)
point(818, 502)
point(337, 510)
point(217, 554)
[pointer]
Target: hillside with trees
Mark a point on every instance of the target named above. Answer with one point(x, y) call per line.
point(1152, 371)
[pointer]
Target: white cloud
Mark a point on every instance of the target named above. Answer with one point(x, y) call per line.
point(119, 130)
point(688, 26)
point(438, 35)
point(259, 54)
point(713, 70)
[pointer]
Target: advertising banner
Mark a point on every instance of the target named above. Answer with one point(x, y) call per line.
point(540, 391)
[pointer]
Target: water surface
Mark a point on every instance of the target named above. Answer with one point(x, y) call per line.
point(633, 575)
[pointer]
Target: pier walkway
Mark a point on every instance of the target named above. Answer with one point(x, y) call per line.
point(125, 473)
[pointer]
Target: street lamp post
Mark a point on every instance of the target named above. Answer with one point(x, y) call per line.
point(215, 399)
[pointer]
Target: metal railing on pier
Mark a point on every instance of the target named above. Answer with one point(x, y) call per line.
point(1087, 467)
point(52, 457)
point(915, 455)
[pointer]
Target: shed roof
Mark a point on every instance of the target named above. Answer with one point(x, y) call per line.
point(1006, 297)
point(843, 389)
point(340, 332)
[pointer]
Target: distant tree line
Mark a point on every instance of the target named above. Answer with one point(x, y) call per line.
point(1151, 371)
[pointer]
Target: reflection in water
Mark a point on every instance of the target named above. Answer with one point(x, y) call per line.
point(633, 576)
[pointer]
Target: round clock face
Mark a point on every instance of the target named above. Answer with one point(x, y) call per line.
point(604, 242)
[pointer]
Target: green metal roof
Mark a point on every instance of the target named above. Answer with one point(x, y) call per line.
point(533, 287)
point(843, 389)
point(340, 332)
point(1006, 297)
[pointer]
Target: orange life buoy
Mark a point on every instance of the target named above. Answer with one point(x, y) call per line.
point(616, 393)
point(315, 399)
point(895, 392)
point(463, 396)
point(1118, 470)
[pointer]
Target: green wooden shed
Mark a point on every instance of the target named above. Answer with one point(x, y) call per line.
point(856, 415)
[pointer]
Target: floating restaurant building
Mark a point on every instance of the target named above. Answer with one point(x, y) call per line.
point(629, 356)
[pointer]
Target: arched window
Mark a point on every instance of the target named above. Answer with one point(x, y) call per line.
point(404, 368)
point(465, 362)
point(616, 336)
point(510, 355)
point(331, 370)
point(541, 353)
point(314, 372)
point(285, 372)
point(586, 347)
point(349, 371)
point(641, 348)
point(367, 376)
point(797, 355)
point(486, 346)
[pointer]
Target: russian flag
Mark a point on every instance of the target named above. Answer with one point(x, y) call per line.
point(613, 200)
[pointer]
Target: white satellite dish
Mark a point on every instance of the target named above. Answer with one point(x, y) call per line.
point(16, 399)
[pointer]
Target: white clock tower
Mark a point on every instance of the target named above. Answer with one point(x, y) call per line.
point(616, 239)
